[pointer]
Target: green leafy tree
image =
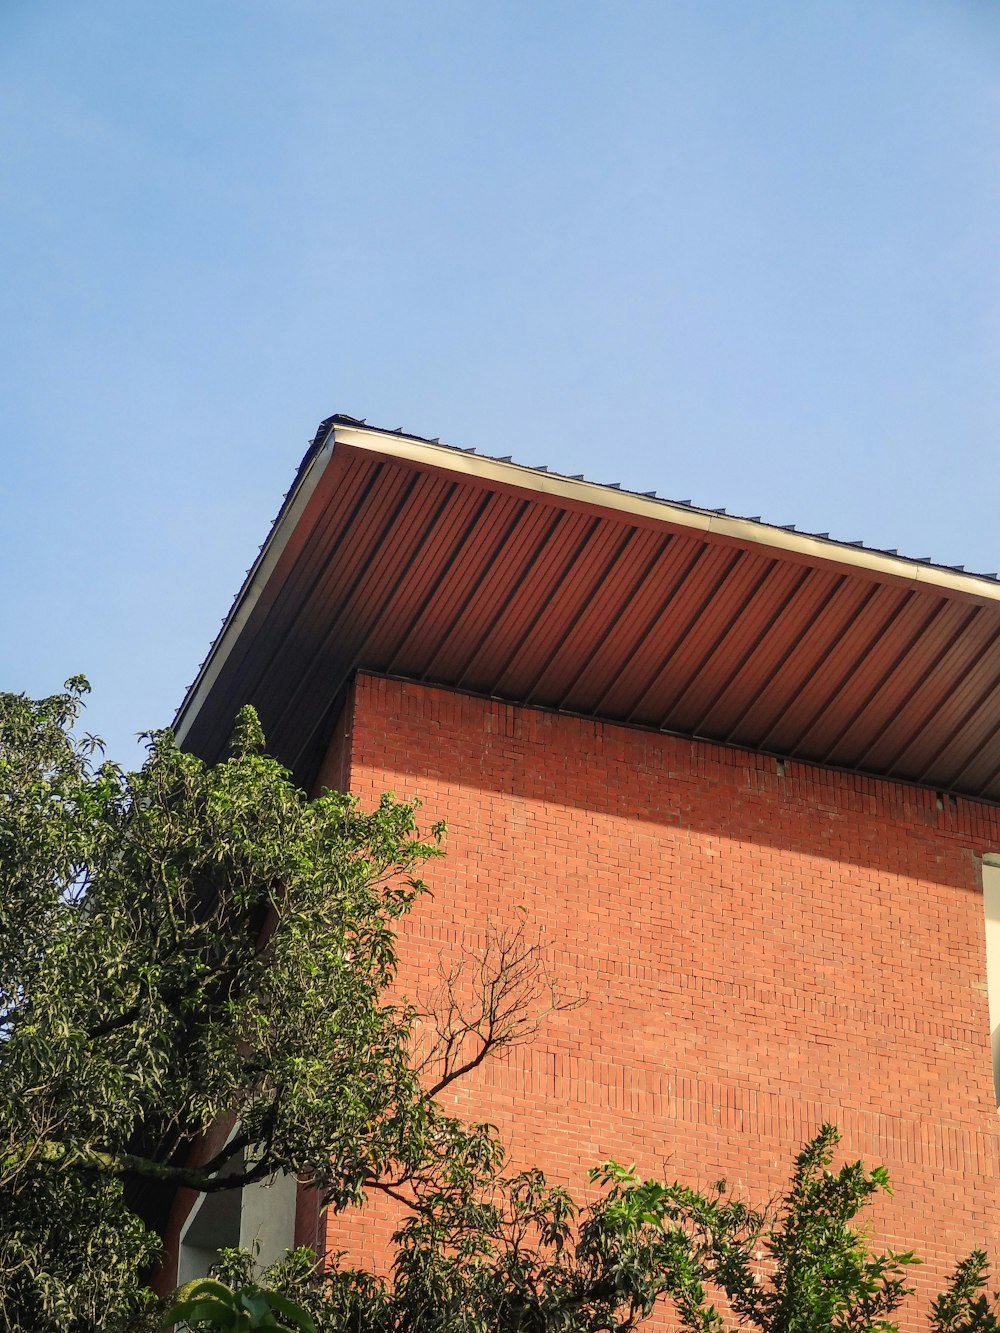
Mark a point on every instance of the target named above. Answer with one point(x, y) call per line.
point(966, 1307)
point(490, 1253)
point(211, 1305)
point(196, 944)
point(178, 946)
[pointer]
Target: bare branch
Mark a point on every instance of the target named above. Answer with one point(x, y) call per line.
point(488, 999)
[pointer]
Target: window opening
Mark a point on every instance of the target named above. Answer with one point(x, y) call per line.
point(259, 1217)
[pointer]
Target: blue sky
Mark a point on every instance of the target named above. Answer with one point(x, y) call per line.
point(744, 252)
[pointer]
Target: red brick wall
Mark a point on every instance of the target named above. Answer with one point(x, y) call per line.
point(759, 951)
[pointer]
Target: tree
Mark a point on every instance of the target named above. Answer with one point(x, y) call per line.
point(210, 1303)
point(190, 944)
point(518, 1256)
point(196, 944)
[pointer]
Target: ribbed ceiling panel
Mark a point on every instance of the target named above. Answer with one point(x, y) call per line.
point(511, 590)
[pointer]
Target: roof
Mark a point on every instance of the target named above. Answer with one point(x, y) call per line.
point(400, 555)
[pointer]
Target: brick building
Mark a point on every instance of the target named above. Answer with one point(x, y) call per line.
point(743, 782)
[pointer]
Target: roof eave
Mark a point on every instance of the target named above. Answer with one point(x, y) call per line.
point(346, 432)
point(740, 531)
point(308, 477)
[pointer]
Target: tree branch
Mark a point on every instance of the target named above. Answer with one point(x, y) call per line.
point(85, 1158)
point(489, 999)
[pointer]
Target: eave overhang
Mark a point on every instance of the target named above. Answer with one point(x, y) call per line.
point(398, 555)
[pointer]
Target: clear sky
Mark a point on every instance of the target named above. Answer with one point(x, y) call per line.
point(744, 252)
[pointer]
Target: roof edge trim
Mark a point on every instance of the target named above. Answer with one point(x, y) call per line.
point(260, 571)
point(414, 449)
